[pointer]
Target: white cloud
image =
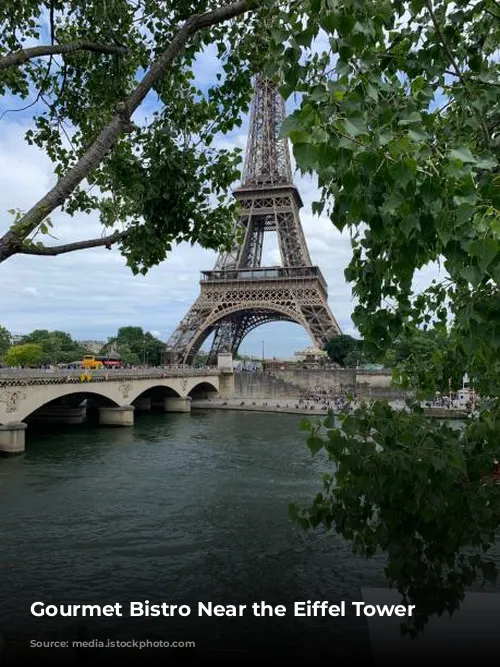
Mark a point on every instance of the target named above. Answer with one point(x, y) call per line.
point(32, 291)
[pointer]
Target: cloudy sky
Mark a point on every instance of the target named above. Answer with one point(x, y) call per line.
point(91, 293)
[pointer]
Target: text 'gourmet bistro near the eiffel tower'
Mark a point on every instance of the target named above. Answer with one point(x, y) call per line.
point(240, 294)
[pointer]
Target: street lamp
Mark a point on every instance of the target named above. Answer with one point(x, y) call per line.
point(263, 343)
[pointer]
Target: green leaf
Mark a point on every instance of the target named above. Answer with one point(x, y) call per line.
point(472, 274)
point(409, 119)
point(464, 213)
point(319, 94)
point(485, 250)
point(486, 163)
point(291, 123)
point(463, 154)
point(305, 425)
point(317, 207)
point(372, 92)
point(306, 156)
point(409, 224)
point(329, 420)
point(418, 84)
point(417, 135)
point(315, 444)
point(355, 126)
point(300, 137)
point(304, 38)
point(444, 235)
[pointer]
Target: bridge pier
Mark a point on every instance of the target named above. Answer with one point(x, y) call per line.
point(177, 404)
point(12, 437)
point(117, 416)
point(56, 414)
point(143, 404)
point(226, 385)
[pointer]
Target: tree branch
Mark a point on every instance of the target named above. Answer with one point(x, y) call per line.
point(455, 66)
point(71, 247)
point(118, 125)
point(492, 13)
point(18, 57)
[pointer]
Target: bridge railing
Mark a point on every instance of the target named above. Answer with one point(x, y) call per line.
point(10, 376)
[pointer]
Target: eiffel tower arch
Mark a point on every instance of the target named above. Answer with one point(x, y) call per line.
point(240, 294)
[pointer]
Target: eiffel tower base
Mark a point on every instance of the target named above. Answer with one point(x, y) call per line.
point(233, 303)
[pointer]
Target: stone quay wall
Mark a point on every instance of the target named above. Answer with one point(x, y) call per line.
point(303, 382)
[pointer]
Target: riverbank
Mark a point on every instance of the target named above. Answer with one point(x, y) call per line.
point(291, 406)
point(256, 406)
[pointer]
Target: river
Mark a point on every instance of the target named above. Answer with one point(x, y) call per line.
point(182, 508)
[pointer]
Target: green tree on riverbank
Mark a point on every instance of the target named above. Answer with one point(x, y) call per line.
point(5, 341)
point(339, 347)
point(25, 355)
point(136, 346)
point(57, 346)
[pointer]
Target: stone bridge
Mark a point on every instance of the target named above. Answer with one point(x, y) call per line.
point(62, 396)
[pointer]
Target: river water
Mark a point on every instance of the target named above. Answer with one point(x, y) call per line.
point(182, 508)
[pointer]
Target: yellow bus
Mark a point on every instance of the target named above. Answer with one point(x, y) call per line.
point(89, 362)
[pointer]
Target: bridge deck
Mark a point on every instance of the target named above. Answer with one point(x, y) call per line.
point(28, 376)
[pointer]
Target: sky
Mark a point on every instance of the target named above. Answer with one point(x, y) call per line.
point(91, 293)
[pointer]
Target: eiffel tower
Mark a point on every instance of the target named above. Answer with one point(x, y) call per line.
point(239, 294)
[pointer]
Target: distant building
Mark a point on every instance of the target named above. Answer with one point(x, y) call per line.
point(312, 356)
point(17, 339)
point(275, 364)
point(93, 346)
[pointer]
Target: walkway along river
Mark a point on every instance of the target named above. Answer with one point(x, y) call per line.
point(181, 508)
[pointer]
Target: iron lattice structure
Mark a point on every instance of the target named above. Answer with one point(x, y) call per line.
point(240, 294)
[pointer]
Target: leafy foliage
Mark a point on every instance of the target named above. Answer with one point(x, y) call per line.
point(422, 492)
point(355, 358)
point(160, 178)
point(57, 346)
point(136, 346)
point(340, 346)
point(5, 340)
point(28, 354)
point(399, 118)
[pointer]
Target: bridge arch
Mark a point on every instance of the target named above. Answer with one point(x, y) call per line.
point(54, 396)
point(204, 389)
point(160, 390)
